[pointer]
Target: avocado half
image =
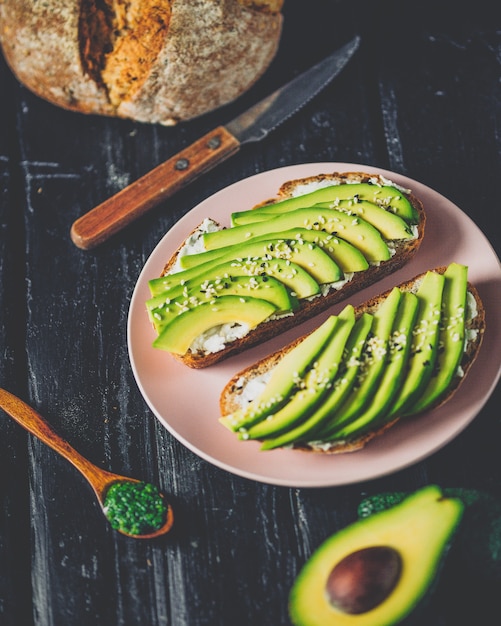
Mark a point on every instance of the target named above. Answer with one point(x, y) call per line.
point(469, 585)
point(377, 570)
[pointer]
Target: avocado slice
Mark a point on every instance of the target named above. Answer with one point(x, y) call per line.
point(342, 384)
point(293, 276)
point(397, 361)
point(162, 310)
point(178, 336)
point(386, 196)
point(298, 432)
point(390, 225)
point(377, 570)
point(355, 230)
point(348, 257)
point(424, 344)
point(284, 379)
point(315, 385)
point(308, 255)
point(452, 336)
point(373, 363)
point(398, 354)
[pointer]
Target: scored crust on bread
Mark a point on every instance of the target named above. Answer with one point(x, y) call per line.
point(157, 61)
point(404, 251)
point(236, 394)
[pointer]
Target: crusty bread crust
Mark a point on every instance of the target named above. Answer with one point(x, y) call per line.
point(169, 60)
point(229, 399)
point(405, 250)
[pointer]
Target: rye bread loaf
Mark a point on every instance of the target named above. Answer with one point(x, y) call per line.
point(158, 61)
point(404, 251)
point(232, 394)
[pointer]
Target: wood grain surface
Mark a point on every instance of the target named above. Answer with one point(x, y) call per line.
point(421, 98)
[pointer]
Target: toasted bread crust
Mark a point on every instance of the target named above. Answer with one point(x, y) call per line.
point(405, 250)
point(229, 401)
point(157, 61)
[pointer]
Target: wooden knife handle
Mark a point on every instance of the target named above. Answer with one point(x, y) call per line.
point(163, 181)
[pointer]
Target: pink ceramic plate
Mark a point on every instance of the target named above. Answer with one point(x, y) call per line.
point(186, 401)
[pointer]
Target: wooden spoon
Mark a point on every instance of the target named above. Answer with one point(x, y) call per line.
point(99, 479)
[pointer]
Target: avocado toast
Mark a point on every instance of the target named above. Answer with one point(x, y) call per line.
point(321, 240)
point(392, 357)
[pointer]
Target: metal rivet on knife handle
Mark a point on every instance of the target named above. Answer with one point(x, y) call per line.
point(182, 164)
point(253, 124)
point(113, 214)
point(214, 142)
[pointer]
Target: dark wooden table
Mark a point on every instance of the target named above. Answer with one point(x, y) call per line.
point(422, 98)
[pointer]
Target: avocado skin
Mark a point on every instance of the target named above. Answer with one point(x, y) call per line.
point(384, 371)
point(283, 379)
point(291, 275)
point(254, 253)
point(470, 581)
point(425, 344)
point(342, 336)
point(355, 230)
point(479, 537)
point(389, 224)
point(346, 255)
point(317, 385)
point(424, 545)
point(177, 336)
point(316, 423)
point(373, 415)
point(310, 256)
point(361, 396)
point(388, 196)
point(451, 336)
point(270, 289)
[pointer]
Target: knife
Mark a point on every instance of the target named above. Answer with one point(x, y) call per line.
point(109, 217)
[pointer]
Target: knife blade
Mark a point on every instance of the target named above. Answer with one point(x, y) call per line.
point(115, 213)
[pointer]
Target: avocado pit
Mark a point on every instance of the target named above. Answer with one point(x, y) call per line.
point(364, 579)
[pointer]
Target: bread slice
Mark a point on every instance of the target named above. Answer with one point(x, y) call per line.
point(404, 250)
point(237, 391)
point(157, 61)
